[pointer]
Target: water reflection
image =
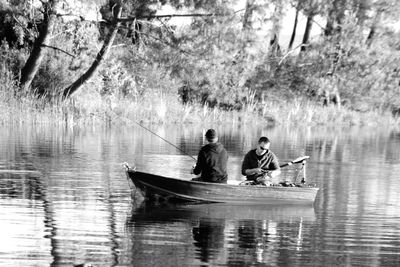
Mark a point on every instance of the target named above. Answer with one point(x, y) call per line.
point(58, 207)
point(219, 233)
point(208, 237)
point(64, 199)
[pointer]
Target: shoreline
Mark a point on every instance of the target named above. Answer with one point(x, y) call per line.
point(160, 111)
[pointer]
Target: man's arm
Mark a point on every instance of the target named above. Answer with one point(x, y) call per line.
point(245, 164)
point(199, 164)
point(275, 170)
point(246, 167)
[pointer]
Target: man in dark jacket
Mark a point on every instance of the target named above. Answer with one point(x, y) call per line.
point(212, 160)
point(261, 165)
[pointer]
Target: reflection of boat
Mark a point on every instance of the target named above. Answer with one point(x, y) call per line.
point(155, 186)
point(169, 212)
point(215, 234)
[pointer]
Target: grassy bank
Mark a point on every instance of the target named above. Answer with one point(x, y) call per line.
point(154, 109)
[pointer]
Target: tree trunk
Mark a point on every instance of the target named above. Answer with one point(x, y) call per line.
point(361, 7)
point(32, 65)
point(336, 13)
point(276, 28)
point(373, 28)
point(248, 14)
point(67, 92)
point(338, 99)
point(307, 32)
point(296, 18)
point(329, 27)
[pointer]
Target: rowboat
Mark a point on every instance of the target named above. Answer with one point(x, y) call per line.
point(158, 187)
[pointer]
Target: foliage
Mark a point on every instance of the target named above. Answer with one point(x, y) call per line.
point(18, 23)
point(77, 45)
point(212, 65)
point(8, 62)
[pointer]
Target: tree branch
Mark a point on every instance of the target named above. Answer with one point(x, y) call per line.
point(166, 16)
point(167, 43)
point(58, 49)
point(319, 25)
point(291, 51)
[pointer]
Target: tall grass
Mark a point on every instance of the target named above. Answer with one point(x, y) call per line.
point(94, 109)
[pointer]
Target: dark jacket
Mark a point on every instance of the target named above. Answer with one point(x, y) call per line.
point(211, 163)
point(268, 161)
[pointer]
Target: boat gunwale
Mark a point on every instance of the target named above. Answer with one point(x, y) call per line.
point(186, 197)
point(208, 184)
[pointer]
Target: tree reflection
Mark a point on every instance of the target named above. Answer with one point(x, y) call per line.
point(209, 237)
point(252, 242)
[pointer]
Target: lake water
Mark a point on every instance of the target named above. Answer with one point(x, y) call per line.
point(65, 199)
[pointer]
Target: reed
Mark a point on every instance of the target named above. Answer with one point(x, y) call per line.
point(167, 109)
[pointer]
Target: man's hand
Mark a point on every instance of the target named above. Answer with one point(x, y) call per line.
point(267, 174)
point(258, 171)
point(254, 171)
point(192, 170)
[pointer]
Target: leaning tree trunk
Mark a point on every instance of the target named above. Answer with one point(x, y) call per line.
point(73, 88)
point(307, 32)
point(296, 19)
point(32, 65)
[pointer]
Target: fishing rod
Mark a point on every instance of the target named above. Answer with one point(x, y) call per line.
point(130, 120)
point(184, 152)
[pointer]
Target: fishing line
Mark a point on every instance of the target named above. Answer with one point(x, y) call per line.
point(161, 138)
point(165, 140)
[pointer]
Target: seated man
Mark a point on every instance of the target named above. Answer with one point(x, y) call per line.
point(212, 160)
point(260, 165)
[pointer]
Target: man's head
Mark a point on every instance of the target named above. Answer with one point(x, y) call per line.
point(211, 136)
point(263, 144)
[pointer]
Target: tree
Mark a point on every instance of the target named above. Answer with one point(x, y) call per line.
point(45, 31)
point(117, 9)
point(248, 14)
point(307, 31)
point(293, 35)
point(139, 13)
point(276, 27)
point(361, 9)
point(374, 25)
point(335, 15)
point(388, 9)
point(310, 8)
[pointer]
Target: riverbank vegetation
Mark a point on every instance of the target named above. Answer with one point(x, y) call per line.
point(222, 64)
